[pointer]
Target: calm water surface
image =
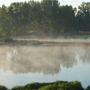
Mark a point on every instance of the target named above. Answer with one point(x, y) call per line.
point(20, 65)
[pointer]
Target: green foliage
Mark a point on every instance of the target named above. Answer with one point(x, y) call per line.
point(3, 88)
point(32, 86)
point(51, 87)
point(58, 85)
point(61, 85)
point(46, 17)
point(88, 88)
point(75, 85)
point(18, 88)
point(83, 16)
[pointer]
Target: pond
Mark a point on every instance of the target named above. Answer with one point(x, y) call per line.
point(20, 65)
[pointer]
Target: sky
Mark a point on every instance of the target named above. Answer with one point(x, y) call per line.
point(74, 3)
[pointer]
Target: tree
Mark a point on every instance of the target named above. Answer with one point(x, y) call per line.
point(66, 19)
point(3, 88)
point(88, 88)
point(50, 11)
point(83, 16)
point(46, 17)
point(5, 24)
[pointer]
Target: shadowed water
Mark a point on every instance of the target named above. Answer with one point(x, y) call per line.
point(20, 65)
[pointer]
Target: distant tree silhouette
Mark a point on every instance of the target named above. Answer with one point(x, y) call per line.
point(46, 17)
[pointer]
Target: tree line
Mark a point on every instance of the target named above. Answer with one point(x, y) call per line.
point(57, 85)
point(44, 17)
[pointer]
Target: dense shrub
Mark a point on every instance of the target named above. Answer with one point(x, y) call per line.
point(3, 88)
point(88, 88)
point(50, 87)
point(75, 85)
point(32, 86)
point(18, 88)
point(58, 85)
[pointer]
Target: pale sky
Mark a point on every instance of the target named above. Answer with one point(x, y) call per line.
point(74, 3)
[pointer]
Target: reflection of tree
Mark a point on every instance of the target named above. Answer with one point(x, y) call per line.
point(84, 54)
point(48, 60)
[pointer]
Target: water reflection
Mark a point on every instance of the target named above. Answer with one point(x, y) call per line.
point(45, 59)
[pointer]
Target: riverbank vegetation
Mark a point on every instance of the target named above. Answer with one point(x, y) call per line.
point(58, 85)
point(45, 17)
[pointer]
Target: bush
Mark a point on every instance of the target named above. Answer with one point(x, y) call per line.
point(60, 85)
point(50, 87)
point(35, 42)
point(18, 88)
point(75, 85)
point(32, 86)
point(3, 88)
point(8, 39)
point(88, 88)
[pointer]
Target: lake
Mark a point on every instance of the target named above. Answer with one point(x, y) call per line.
point(20, 65)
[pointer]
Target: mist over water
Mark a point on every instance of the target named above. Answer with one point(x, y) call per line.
point(44, 63)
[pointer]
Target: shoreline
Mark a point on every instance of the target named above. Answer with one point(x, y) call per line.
point(46, 42)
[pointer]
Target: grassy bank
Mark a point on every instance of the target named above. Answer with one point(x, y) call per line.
point(58, 85)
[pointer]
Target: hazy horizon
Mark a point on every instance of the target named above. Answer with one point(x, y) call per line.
point(74, 3)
